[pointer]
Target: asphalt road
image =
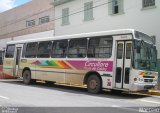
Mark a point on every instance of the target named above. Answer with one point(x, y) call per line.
point(16, 97)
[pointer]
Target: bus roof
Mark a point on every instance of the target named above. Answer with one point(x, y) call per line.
point(90, 34)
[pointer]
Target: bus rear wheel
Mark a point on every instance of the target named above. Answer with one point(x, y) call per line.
point(94, 84)
point(27, 77)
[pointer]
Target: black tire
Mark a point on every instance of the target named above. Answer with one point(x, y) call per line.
point(94, 84)
point(116, 91)
point(49, 82)
point(27, 77)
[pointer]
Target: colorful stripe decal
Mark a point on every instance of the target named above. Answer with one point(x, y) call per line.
point(52, 64)
point(76, 65)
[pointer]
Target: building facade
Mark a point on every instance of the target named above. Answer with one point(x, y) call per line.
point(81, 16)
point(34, 19)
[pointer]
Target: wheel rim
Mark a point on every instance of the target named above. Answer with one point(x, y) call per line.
point(93, 84)
point(26, 77)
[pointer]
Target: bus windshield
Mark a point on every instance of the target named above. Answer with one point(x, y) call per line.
point(145, 56)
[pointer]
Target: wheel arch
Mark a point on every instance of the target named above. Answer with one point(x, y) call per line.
point(91, 73)
point(26, 68)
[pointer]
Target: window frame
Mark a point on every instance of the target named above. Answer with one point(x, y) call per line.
point(88, 11)
point(54, 49)
point(35, 50)
point(31, 23)
point(1, 57)
point(65, 16)
point(10, 51)
point(49, 55)
point(97, 46)
point(44, 20)
point(146, 5)
point(119, 5)
point(78, 55)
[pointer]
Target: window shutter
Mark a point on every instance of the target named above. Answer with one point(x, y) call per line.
point(121, 6)
point(65, 16)
point(88, 11)
point(110, 7)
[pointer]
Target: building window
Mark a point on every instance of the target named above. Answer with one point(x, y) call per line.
point(30, 23)
point(44, 20)
point(115, 6)
point(148, 3)
point(88, 11)
point(65, 16)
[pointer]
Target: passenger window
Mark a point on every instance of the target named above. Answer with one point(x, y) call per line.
point(59, 49)
point(10, 51)
point(100, 47)
point(24, 50)
point(44, 50)
point(1, 57)
point(120, 51)
point(31, 50)
point(128, 50)
point(77, 48)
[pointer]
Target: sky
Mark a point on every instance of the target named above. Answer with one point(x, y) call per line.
point(8, 4)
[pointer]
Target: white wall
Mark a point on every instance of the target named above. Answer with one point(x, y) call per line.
point(24, 37)
point(133, 17)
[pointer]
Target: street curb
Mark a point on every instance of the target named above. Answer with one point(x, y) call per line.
point(154, 92)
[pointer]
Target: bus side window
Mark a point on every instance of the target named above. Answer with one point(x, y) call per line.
point(1, 57)
point(128, 50)
point(44, 50)
point(24, 50)
point(120, 51)
point(77, 48)
point(10, 51)
point(31, 50)
point(100, 47)
point(59, 49)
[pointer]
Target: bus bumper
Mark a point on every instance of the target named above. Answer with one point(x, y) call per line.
point(143, 87)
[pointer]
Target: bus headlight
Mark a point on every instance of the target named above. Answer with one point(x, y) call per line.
point(135, 79)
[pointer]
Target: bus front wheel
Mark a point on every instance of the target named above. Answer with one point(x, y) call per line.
point(94, 84)
point(27, 77)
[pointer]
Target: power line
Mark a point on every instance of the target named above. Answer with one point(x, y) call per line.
point(29, 16)
point(64, 16)
point(25, 18)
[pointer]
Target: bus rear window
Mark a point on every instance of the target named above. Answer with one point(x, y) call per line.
point(10, 51)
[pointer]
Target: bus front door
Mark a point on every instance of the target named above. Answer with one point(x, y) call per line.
point(17, 60)
point(123, 64)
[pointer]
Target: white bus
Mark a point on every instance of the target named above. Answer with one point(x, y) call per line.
point(1, 62)
point(120, 60)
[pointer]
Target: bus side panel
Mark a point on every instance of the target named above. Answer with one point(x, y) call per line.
point(8, 67)
point(50, 70)
point(1, 71)
point(75, 76)
point(27, 63)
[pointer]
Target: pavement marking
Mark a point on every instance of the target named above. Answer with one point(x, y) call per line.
point(150, 101)
point(4, 97)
